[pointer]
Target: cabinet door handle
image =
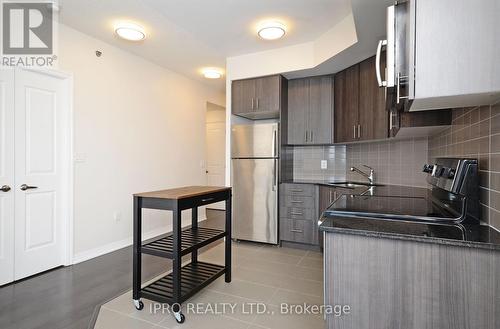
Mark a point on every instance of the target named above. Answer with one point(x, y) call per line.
point(296, 231)
point(296, 213)
point(354, 134)
point(312, 136)
point(5, 188)
point(305, 135)
point(359, 131)
point(296, 201)
point(252, 103)
point(257, 100)
point(297, 190)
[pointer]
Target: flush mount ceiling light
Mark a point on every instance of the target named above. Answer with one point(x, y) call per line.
point(271, 30)
point(130, 31)
point(212, 73)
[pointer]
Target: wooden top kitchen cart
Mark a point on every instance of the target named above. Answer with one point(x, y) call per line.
point(184, 281)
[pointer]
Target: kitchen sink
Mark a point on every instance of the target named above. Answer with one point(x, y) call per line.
point(352, 185)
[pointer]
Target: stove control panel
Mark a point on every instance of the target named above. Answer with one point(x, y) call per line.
point(452, 174)
point(439, 171)
point(428, 168)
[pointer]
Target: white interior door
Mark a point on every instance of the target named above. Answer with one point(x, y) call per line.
point(6, 176)
point(216, 149)
point(39, 127)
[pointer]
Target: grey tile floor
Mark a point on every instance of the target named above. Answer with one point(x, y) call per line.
point(261, 274)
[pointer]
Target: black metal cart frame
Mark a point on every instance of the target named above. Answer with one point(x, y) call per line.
point(184, 281)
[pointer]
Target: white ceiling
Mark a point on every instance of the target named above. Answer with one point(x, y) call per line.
point(370, 21)
point(186, 35)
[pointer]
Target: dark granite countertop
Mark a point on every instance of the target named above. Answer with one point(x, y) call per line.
point(473, 236)
point(381, 190)
point(312, 182)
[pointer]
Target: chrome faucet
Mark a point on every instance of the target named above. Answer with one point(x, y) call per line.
point(370, 177)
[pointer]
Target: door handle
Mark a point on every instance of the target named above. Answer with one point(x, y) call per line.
point(25, 187)
point(5, 188)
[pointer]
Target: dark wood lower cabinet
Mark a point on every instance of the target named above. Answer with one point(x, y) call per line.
point(299, 213)
point(326, 197)
point(299, 230)
point(391, 283)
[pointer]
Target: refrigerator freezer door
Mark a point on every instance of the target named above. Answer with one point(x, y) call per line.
point(254, 141)
point(255, 200)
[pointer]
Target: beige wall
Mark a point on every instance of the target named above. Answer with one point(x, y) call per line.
point(137, 127)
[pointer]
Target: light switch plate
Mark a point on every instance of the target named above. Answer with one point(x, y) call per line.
point(324, 164)
point(80, 157)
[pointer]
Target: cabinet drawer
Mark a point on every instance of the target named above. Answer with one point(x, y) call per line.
point(297, 213)
point(297, 201)
point(299, 189)
point(302, 231)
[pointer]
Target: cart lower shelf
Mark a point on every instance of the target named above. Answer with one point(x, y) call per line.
point(192, 239)
point(194, 277)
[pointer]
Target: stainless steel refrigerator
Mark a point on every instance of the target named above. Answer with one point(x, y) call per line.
point(254, 175)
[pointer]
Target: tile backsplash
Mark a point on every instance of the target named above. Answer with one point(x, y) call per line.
point(397, 162)
point(475, 133)
point(307, 162)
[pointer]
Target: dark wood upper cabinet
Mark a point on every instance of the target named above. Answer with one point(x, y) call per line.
point(310, 110)
point(346, 105)
point(373, 115)
point(360, 111)
point(321, 110)
point(267, 94)
point(258, 98)
point(243, 94)
point(298, 99)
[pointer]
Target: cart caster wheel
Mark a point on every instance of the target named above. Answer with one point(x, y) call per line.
point(179, 317)
point(139, 305)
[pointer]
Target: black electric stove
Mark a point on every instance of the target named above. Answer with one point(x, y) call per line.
point(453, 197)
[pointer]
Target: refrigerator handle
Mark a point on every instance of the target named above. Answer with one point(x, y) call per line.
point(275, 142)
point(275, 175)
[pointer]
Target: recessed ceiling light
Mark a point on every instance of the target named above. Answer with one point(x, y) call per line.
point(130, 31)
point(212, 73)
point(271, 30)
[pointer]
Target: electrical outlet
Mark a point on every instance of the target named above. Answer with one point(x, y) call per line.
point(117, 216)
point(324, 164)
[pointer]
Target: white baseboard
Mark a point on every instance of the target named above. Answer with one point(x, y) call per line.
point(113, 246)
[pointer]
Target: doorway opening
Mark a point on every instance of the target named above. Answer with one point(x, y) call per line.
point(215, 131)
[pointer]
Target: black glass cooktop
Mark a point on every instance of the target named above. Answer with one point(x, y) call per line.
point(423, 208)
